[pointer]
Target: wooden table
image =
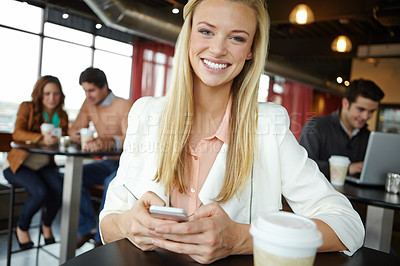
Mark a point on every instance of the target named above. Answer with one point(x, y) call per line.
point(381, 206)
point(71, 190)
point(123, 253)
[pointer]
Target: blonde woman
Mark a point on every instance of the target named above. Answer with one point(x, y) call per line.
point(210, 149)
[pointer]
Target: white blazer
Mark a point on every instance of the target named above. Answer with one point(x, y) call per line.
point(282, 168)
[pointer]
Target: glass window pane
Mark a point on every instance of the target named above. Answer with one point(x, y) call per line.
point(118, 71)
point(160, 74)
point(21, 16)
point(113, 46)
point(64, 33)
point(148, 55)
point(263, 88)
point(277, 88)
point(161, 58)
point(19, 64)
point(67, 66)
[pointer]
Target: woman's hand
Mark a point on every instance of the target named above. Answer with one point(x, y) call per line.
point(212, 235)
point(136, 223)
point(49, 139)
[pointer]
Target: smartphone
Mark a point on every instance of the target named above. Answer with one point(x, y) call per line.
point(57, 132)
point(168, 213)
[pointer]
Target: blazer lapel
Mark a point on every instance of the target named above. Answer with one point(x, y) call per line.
point(215, 179)
point(238, 207)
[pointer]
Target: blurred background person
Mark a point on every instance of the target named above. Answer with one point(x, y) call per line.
point(38, 173)
point(345, 131)
point(108, 113)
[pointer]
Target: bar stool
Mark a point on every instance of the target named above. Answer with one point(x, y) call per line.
point(13, 190)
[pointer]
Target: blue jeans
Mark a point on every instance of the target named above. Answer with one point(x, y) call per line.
point(44, 187)
point(93, 174)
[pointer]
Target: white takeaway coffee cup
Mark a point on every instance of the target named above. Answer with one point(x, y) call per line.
point(338, 166)
point(284, 239)
point(86, 135)
point(46, 128)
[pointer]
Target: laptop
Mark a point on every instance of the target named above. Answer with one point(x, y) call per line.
point(382, 156)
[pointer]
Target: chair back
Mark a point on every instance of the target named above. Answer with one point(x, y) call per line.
point(5, 140)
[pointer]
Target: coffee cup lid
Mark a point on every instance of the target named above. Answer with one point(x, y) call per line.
point(86, 131)
point(46, 125)
point(340, 160)
point(287, 229)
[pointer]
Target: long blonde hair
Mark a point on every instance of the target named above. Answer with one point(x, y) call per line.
point(176, 119)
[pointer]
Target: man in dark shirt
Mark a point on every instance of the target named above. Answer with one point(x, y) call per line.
point(343, 132)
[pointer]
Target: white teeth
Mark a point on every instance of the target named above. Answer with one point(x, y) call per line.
point(214, 65)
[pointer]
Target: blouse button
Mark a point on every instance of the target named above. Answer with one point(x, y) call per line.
point(196, 158)
point(192, 190)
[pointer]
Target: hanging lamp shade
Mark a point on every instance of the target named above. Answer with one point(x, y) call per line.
point(301, 14)
point(341, 44)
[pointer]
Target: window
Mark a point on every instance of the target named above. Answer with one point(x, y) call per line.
point(118, 70)
point(113, 46)
point(66, 61)
point(19, 64)
point(263, 88)
point(115, 59)
point(60, 51)
point(67, 34)
point(21, 16)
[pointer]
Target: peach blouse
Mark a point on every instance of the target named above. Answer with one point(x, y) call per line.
point(198, 164)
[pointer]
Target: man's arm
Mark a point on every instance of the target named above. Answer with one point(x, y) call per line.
point(81, 121)
point(119, 140)
point(115, 141)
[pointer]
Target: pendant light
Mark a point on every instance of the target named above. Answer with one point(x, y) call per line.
point(301, 14)
point(341, 44)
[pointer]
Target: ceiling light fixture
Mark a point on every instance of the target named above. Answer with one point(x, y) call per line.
point(301, 14)
point(175, 10)
point(98, 26)
point(341, 44)
point(65, 15)
point(339, 80)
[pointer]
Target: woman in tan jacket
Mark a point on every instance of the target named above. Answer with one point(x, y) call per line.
point(37, 173)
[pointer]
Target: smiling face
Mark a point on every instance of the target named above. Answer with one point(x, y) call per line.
point(220, 41)
point(356, 114)
point(51, 96)
point(94, 94)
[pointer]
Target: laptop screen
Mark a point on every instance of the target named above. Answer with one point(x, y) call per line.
point(382, 156)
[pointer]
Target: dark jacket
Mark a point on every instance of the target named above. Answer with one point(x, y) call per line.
point(324, 136)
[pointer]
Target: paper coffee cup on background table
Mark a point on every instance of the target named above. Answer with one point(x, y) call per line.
point(46, 128)
point(56, 132)
point(86, 135)
point(338, 166)
point(283, 238)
